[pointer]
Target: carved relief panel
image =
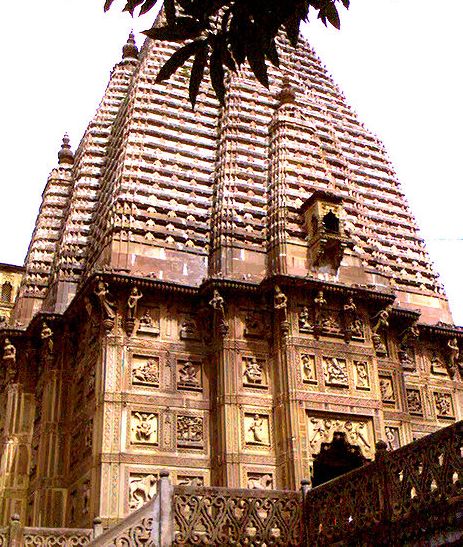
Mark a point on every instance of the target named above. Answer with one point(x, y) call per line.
point(387, 389)
point(361, 375)
point(149, 322)
point(358, 431)
point(392, 437)
point(256, 430)
point(255, 324)
point(189, 375)
point(145, 371)
point(259, 480)
point(142, 488)
point(308, 368)
point(335, 372)
point(190, 431)
point(190, 480)
point(189, 329)
point(443, 405)
point(414, 401)
point(254, 372)
point(144, 428)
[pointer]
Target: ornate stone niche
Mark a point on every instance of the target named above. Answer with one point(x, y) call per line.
point(190, 431)
point(392, 437)
point(358, 431)
point(361, 375)
point(438, 366)
point(254, 324)
point(145, 370)
point(142, 488)
point(254, 372)
point(189, 375)
point(259, 481)
point(335, 372)
point(189, 328)
point(324, 221)
point(149, 322)
point(308, 369)
point(190, 480)
point(414, 401)
point(443, 405)
point(387, 389)
point(256, 429)
point(144, 428)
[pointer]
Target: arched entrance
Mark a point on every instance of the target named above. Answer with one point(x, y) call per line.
point(336, 458)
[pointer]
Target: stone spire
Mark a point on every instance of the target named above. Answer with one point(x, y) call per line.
point(130, 50)
point(65, 155)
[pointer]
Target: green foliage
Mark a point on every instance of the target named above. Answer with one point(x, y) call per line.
point(226, 33)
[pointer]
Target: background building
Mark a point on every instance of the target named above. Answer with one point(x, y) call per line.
point(221, 293)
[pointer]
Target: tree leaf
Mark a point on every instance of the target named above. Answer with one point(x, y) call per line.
point(272, 54)
point(169, 10)
point(217, 72)
point(177, 60)
point(256, 58)
point(332, 15)
point(149, 4)
point(292, 30)
point(346, 3)
point(108, 4)
point(197, 72)
point(185, 28)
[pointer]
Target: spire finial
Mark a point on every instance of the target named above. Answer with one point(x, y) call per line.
point(130, 50)
point(65, 155)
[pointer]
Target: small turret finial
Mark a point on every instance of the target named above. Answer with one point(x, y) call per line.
point(65, 155)
point(130, 50)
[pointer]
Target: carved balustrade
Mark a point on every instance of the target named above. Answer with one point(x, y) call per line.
point(224, 516)
point(417, 487)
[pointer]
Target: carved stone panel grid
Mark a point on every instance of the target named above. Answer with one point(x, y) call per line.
point(254, 372)
point(146, 370)
point(190, 431)
point(256, 429)
point(414, 401)
point(189, 374)
point(443, 405)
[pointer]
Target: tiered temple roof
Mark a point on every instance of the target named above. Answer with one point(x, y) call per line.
point(158, 189)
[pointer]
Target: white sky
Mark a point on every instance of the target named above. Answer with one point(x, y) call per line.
point(397, 61)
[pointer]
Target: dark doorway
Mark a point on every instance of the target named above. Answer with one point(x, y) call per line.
point(331, 222)
point(335, 459)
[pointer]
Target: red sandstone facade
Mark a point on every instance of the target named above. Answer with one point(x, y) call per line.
point(217, 293)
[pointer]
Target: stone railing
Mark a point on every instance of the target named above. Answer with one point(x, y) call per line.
point(417, 489)
point(226, 516)
point(16, 535)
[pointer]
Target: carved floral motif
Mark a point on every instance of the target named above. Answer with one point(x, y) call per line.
point(444, 405)
point(144, 428)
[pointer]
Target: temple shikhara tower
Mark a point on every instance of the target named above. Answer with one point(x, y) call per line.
point(222, 293)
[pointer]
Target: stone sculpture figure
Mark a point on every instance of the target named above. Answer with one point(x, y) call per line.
point(304, 319)
point(319, 303)
point(146, 320)
point(217, 303)
point(107, 305)
point(352, 320)
point(9, 359)
point(308, 368)
point(253, 371)
point(260, 482)
point(382, 323)
point(141, 490)
point(189, 374)
point(257, 431)
point(46, 335)
point(454, 355)
point(132, 302)
point(281, 302)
